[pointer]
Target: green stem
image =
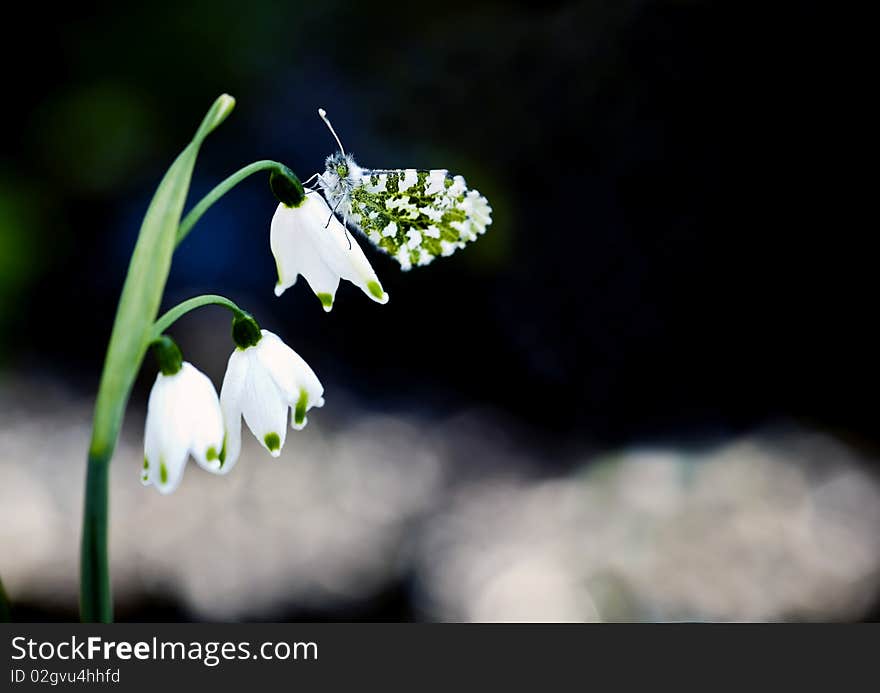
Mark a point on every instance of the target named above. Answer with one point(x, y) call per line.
point(95, 602)
point(221, 189)
point(181, 309)
point(129, 340)
point(5, 609)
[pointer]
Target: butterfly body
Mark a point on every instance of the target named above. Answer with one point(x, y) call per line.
point(341, 176)
point(414, 215)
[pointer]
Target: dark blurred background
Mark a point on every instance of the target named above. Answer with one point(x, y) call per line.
point(668, 265)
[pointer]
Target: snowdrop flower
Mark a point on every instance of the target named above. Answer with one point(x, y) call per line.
point(264, 379)
point(303, 243)
point(183, 418)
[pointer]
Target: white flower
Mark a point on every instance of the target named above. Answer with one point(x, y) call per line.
point(262, 383)
point(303, 243)
point(183, 418)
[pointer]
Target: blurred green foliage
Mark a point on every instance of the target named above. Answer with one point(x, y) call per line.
point(93, 137)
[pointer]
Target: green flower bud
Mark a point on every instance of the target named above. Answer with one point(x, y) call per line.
point(245, 331)
point(286, 187)
point(167, 355)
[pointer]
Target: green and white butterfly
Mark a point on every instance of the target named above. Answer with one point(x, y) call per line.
point(414, 215)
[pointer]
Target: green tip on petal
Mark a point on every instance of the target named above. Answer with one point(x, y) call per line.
point(299, 412)
point(212, 454)
point(163, 473)
point(273, 441)
point(146, 464)
point(375, 289)
point(326, 300)
point(222, 455)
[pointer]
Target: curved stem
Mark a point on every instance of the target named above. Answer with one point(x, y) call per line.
point(138, 306)
point(181, 309)
point(220, 190)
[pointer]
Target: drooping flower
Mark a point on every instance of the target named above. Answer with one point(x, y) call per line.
point(304, 243)
point(265, 379)
point(183, 418)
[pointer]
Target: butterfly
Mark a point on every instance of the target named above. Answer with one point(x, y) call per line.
point(414, 215)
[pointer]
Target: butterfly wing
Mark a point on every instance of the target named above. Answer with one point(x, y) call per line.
point(416, 215)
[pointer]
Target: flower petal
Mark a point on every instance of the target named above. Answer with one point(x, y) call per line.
point(165, 440)
point(293, 376)
point(263, 405)
point(203, 417)
point(311, 241)
point(348, 260)
point(231, 396)
point(152, 446)
point(295, 240)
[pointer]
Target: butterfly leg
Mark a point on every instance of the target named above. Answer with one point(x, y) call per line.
point(336, 206)
point(344, 223)
point(347, 234)
point(311, 178)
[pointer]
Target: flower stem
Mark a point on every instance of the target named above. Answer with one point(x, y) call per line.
point(181, 309)
point(95, 602)
point(221, 189)
point(5, 609)
point(129, 340)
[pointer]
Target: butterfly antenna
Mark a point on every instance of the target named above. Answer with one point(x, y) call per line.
point(323, 114)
